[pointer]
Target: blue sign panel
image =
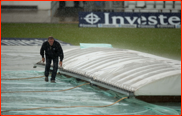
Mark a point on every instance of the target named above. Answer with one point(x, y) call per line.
point(130, 20)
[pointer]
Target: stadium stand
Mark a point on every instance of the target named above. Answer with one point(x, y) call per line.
point(152, 6)
point(135, 6)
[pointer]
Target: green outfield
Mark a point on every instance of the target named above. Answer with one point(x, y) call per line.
point(162, 42)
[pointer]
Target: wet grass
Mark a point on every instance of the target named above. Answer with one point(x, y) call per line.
point(162, 42)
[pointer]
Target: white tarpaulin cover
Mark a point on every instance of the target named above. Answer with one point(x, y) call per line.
point(137, 72)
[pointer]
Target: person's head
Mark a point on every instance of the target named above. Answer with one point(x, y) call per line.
point(50, 40)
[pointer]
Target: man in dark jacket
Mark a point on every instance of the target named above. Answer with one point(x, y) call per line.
point(53, 50)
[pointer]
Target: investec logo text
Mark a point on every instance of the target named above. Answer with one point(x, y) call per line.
point(152, 20)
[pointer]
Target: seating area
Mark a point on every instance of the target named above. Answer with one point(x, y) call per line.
point(152, 6)
point(133, 6)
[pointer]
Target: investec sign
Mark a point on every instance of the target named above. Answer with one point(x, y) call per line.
point(130, 20)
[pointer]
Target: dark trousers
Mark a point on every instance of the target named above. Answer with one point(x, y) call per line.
point(55, 67)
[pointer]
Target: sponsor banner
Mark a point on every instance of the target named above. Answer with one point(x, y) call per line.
point(129, 20)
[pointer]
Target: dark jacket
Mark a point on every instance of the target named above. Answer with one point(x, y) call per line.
point(52, 51)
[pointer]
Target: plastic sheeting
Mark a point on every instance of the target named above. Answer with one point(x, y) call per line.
point(86, 95)
point(133, 71)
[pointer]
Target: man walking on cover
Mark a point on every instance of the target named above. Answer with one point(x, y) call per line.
point(53, 50)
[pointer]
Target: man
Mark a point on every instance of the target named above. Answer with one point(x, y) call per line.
point(52, 50)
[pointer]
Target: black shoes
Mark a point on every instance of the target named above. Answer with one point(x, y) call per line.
point(46, 79)
point(53, 81)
